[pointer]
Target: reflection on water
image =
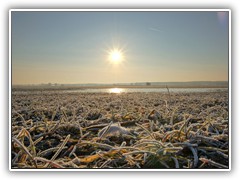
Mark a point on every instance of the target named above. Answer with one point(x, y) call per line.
point(148, 90)
point(115, 90)
point(176, 90)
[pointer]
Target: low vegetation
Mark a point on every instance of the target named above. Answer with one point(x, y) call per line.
point(55, 129)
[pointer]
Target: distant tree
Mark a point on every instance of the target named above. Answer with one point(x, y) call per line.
point(148, 83)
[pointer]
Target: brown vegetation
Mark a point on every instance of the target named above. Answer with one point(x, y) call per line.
point(129, 130)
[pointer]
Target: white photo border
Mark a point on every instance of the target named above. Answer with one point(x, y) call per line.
point(122, 10)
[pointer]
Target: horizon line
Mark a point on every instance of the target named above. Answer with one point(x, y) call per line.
point(52, 83)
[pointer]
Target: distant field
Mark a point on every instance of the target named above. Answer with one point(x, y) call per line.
point(109, 86)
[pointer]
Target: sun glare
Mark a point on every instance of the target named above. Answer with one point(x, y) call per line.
point(115, 56)
point(115, 90)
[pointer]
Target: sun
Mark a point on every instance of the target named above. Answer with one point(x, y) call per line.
point(115, 56)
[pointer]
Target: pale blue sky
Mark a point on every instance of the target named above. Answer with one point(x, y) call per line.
point(71, 47)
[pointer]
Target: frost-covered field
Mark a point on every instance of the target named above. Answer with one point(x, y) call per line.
point(52, 129)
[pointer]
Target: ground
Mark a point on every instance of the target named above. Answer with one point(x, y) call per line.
point(55, 129)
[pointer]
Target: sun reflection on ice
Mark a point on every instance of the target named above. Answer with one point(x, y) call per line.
point(116, 90)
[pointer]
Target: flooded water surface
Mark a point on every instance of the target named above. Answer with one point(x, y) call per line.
point(173, 90)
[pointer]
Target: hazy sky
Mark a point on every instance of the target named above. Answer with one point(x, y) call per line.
point(72, 47)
